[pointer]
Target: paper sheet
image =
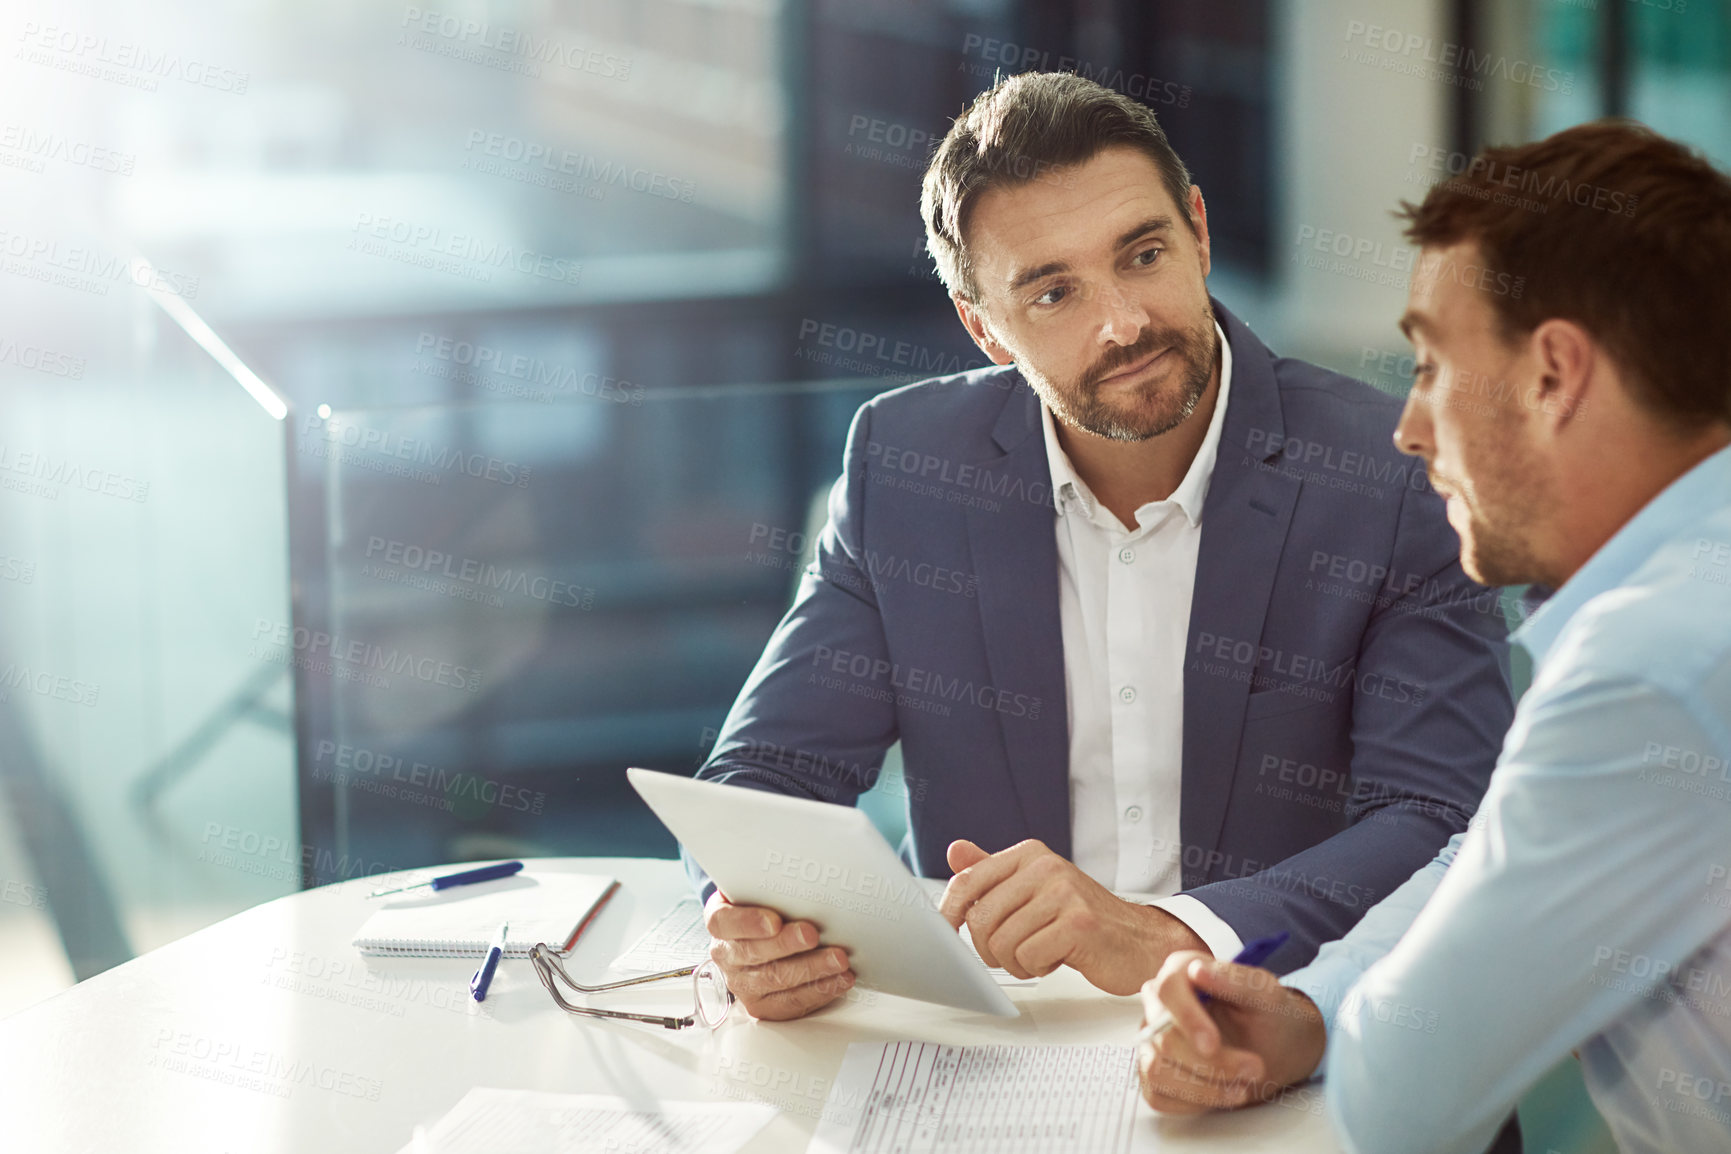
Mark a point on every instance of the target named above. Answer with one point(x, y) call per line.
point(676, 939)
point(925, 1098)
point(490, 1121)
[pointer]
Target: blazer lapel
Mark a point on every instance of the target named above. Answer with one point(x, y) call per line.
point(1015, 557)
point(1244, 524)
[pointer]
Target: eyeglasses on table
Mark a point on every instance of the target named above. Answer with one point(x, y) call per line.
point(712, 997)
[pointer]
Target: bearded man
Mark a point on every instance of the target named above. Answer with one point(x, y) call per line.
point(1152, 611)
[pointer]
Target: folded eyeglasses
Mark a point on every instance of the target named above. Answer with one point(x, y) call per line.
point(712, 997)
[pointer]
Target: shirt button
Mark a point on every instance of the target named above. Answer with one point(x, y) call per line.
point(1134, 813)
point(1127, 694)
point(1127, 555)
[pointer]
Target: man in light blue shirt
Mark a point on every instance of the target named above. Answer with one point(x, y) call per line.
point(1573, 402)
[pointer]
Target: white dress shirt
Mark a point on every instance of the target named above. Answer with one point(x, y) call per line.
point(1124, 604)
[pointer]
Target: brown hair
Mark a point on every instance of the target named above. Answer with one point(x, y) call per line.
point(1618, 229)
point(1027, 128)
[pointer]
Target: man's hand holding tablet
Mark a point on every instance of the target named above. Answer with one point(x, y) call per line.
point(776, 969)
point(794, 867)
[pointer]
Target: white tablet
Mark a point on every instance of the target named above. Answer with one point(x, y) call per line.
point(826, 864)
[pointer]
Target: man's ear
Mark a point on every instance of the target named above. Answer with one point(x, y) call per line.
point(975, 322)
point(1568, 361)
point(1199, 217)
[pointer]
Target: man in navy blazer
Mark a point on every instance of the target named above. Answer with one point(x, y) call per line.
point(1320, 705)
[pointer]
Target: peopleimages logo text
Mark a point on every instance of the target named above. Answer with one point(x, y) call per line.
point(1419, 50)
point(385, 443)
point(534, 370)
point(483, 574)
point(308, 644)
point(432, 241)
point(91, 52)
point(86, 269)
point(354, 763)
point(519, 42)
point(40, 145)
point(41, 360)
point(564, 162)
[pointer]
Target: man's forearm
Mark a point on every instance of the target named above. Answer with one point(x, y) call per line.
point(1320, 894)
point(1339, 964)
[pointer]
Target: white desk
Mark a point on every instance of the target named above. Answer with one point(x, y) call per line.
point(154, 1054)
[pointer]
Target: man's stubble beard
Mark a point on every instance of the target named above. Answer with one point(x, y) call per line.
point(1507, 498)
point(1082, 407)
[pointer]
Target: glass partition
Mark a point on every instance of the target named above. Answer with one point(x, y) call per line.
point(145, 757)
point(511, 603)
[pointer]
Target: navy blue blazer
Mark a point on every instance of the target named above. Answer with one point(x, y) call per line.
point(1346, 685)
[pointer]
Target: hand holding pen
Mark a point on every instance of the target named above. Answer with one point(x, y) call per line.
point(1160, 1017)
point(1256, 1038)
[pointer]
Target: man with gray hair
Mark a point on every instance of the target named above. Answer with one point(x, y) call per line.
point(1214, 650)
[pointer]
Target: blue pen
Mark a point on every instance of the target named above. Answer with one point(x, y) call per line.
point(463, 878)
point(484, 976)
point(1254, 954)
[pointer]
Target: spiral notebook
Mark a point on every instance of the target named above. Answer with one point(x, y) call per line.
point(461, 922)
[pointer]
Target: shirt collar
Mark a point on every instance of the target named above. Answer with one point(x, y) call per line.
point(1664, 517)
point(1191, 492)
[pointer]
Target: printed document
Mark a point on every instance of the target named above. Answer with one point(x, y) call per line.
point(926, 1098)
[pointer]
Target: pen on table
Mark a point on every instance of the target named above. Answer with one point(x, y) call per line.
point(484, 976)
point(1254, 954)
point(465, 877)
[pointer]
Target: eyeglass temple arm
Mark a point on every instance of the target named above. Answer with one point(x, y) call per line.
point(553, 960)
point(547, 964)
point(665, 1023)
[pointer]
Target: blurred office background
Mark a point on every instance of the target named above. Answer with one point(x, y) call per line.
point(410, 415)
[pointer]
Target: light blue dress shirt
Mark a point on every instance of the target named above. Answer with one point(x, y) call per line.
point(1588, 905)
